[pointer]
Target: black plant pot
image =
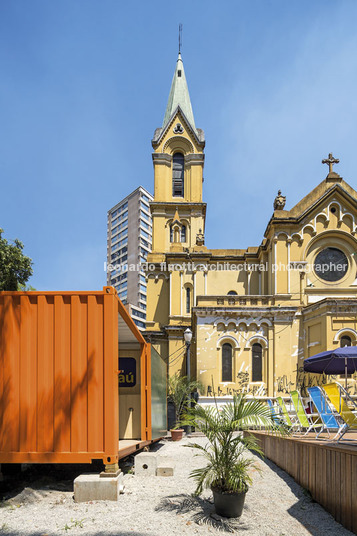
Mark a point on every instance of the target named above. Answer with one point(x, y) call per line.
point(228, 504)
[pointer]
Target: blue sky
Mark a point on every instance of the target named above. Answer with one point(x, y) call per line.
point(84, 84)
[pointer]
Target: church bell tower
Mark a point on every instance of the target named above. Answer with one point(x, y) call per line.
point(177, 210)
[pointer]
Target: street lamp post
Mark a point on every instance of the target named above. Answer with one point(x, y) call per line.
point(188, 338)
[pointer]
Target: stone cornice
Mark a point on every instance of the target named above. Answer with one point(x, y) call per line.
point(195, 159)
point(338, 305)
point(268, 312)
point(162, 158)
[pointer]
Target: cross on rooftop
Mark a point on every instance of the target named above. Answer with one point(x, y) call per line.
point(330, 161)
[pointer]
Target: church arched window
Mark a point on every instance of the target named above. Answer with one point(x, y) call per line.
point(171, 233)
point(178, 165)
point(232, 293)
point(188, 300)
point(183, 233)
point(227, 362)
point(257, 362)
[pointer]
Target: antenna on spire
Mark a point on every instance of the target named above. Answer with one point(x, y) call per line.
point(180, 37)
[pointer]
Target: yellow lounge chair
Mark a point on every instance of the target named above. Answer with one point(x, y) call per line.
point(337, 394)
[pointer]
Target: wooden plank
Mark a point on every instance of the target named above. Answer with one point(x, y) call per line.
point(354, 494)
point(337, 497)
point(312, 471)
point(347, 493)
point(333, 483)
point(303, 463)
point(328, 491)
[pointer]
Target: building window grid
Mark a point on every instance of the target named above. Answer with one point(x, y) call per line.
point(117, 221)
point(145, 235)
point(139, 314)
point(121, 234)
point(144, 215)
point(118, 227)
point(146, 226)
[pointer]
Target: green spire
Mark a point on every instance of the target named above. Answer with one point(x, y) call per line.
point(179, 96)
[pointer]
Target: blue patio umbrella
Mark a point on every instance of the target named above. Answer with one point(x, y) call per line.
point(338, 361)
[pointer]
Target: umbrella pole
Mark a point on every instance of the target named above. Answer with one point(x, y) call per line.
point(346, 373)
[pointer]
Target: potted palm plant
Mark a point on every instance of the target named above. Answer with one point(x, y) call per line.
point(227, 471)
point(180, 389)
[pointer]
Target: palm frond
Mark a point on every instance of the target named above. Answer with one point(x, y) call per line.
point(227, 466)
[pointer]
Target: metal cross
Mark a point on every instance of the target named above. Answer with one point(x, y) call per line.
point(180, 37)
point(330, 161)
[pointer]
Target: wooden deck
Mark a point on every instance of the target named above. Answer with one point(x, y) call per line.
point(326, 468)
point(130, 446)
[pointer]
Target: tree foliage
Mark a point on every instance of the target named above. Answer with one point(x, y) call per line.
point(179, 389)
point(15, 267)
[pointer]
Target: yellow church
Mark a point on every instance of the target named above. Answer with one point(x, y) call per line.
point(255, 313)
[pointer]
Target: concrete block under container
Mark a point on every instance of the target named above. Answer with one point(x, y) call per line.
point(91, 487)
point(165, 466)
point(145, 464)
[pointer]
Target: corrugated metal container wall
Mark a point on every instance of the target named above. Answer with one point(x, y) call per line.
point(58, 377)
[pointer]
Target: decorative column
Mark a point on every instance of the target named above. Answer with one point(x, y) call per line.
point(275, 241)
point(288, 243)
point(170, 291)
point(181, 291)
point(302, 285)
point(194, 289)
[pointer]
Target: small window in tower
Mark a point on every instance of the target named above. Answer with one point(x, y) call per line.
point(179, 73)
point(178, 163)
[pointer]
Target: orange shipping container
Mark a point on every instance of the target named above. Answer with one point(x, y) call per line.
point(59, 400)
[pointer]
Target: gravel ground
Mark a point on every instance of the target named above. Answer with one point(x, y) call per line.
point(151, 506)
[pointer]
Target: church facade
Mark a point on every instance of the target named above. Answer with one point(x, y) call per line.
point(255, 313)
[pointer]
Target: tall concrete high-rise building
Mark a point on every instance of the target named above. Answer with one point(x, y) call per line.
point(129, 239)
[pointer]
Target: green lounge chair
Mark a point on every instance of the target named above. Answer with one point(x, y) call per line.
point(285, 414)
point(306, 422)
